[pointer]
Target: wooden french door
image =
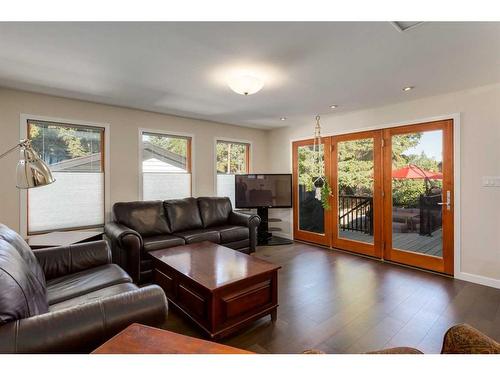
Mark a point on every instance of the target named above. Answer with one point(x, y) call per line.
point(418, 200)
point(356, 175)
point(392, 194)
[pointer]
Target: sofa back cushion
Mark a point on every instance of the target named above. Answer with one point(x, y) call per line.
point(145, 217)
point(214, 210)
point(23, 292)
point(13, 238)
point(183, 214)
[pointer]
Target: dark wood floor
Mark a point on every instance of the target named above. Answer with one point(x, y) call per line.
point(343, 303)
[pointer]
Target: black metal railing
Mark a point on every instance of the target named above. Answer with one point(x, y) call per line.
point(356, 213)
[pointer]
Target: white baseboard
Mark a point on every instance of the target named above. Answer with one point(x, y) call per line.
point(488, 281)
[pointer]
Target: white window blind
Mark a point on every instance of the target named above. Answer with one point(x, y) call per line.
point(75, 157)
point(166, 166)
point(232, 159)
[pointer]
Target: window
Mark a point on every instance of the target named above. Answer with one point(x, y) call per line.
point(75, 155)
point(232, 158)
point(166, 166)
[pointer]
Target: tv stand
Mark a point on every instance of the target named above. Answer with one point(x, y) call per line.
point(264, 237)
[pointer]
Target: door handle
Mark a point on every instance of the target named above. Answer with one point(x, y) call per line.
point(448, 201)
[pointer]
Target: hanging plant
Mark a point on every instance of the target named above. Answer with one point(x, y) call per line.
point(326, 191)
point(320, 183)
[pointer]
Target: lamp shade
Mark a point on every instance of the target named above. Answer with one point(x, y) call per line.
point(245, 84)
point(31, 170)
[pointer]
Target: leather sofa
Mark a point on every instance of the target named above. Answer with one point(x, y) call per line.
point(143, 226)
point(67, 299)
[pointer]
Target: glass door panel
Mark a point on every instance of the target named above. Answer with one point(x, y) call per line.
point(310, 218)
point(357, 203)
point(311, 212)
point(355, 190)
point(417, 185)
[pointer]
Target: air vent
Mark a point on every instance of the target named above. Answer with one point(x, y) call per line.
point(405, 25)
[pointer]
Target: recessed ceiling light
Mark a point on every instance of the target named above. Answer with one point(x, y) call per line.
point(408, 88)
point(245, 84)
point(333, 106)
point(282, 118)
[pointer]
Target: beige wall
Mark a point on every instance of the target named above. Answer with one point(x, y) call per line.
point(479, 152)
point(124, 124)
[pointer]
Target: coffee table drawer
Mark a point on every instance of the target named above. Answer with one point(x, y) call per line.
point(245, 300)
point(192, 301)
point(165, 281)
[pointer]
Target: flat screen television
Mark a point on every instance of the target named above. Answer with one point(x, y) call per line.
point(263, 190)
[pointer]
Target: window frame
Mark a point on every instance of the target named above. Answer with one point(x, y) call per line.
point(249, 156)
point(105, 151)
point(190, 156)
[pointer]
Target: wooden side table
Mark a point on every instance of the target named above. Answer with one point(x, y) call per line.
point(55, 239)
point(141, 339)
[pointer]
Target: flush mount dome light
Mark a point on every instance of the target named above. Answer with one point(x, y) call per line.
point(245, 84)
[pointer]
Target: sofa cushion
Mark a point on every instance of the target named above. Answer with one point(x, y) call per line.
point(161, 242)
point(214, 210)
point(22, 295)
point(93, 296)
point(232, 233)
point(199, 235)
point(183, 214)
point(80, 283)
point(145, 217)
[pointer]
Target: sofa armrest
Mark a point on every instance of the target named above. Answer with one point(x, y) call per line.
point(464, 339)
point(246, 220)
point(126, 245)
point(64, 260)
point(82, 328)
point(251, 221)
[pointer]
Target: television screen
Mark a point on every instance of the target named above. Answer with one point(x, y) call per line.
point(263, 190)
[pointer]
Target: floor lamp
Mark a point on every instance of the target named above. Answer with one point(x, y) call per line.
point(31, 170)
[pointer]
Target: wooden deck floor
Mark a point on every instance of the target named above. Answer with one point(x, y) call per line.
point(432, 245)
point(343, 303)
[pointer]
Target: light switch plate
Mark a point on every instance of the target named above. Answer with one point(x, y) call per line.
point(491, 181)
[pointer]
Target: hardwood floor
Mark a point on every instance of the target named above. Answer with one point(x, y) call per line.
point(343, 303)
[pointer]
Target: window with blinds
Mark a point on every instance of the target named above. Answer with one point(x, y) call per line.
point(75, 155)
point(232, 158)
point(166, 166)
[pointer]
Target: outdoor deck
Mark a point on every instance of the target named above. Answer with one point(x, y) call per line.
point(431, 245)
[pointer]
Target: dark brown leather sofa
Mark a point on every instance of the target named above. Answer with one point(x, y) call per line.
point(144, 226)
point(67, 299)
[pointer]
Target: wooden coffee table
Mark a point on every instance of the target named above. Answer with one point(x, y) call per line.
point(141, 339)
point(218, 288)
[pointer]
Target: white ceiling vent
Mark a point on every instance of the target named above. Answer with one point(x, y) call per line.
point(405, 25)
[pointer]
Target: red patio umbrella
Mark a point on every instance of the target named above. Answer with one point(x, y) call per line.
point(414, 172)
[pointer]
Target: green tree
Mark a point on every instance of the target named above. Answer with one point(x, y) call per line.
point(231, 158)
point(173, 144)
point(355, 168)
point(55, 143)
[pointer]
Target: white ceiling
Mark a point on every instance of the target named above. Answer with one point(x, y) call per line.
point(179, 68)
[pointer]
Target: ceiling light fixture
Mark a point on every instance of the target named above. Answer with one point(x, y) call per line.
point(333, 106)
point(408, 88)
point(282, 118)
point(245, 84)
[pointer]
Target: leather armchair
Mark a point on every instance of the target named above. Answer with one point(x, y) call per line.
point(82, 328)
point(67, 299)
